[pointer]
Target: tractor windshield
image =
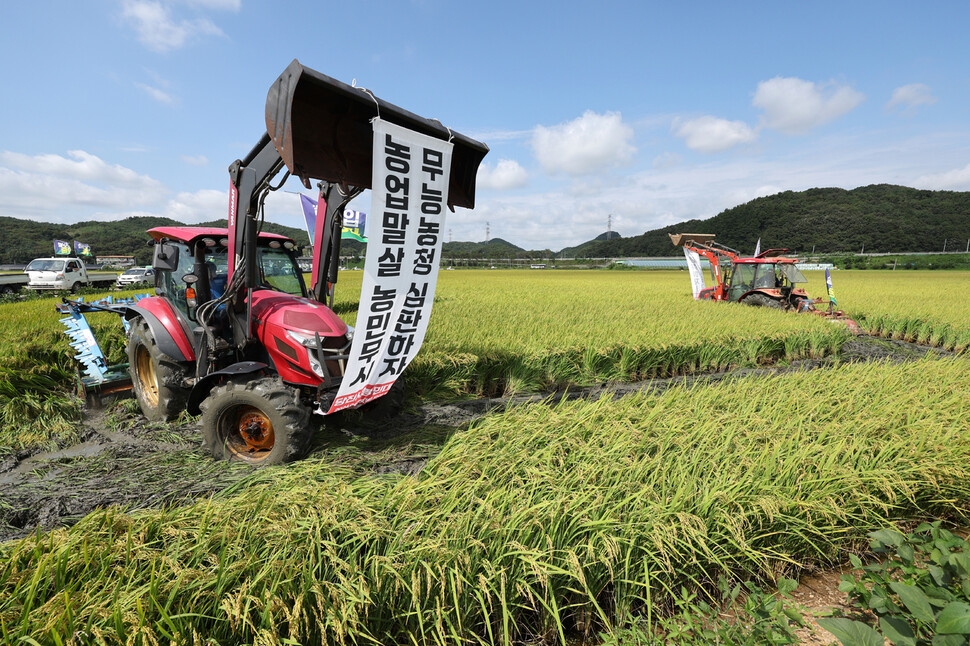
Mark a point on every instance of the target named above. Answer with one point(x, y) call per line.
point(278, 271)
point(792, 274)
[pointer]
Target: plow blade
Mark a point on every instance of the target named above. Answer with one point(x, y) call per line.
point(97, 381)
point(321, 128)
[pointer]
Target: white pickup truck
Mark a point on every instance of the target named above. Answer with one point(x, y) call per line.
point(64, 273)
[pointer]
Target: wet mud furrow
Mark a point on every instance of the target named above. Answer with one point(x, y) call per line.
point(123, 460)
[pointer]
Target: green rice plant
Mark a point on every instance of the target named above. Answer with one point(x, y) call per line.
point(542, 522)
point(38, 408)
point(553, 329)
point(918, 306)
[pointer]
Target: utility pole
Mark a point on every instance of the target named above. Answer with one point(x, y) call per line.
point(450, 239)
point(609, 226)
point(487, 230)
point(944, 245)
point(863, 247)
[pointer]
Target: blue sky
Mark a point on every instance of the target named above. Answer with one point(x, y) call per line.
point(650, 112)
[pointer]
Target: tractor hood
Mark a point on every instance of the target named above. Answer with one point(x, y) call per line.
point(303, 316)
point(322, 130)
point(287, 327)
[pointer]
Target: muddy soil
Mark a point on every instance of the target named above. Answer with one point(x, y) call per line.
point(124, 460)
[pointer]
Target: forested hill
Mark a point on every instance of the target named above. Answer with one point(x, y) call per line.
point(23, 240)
point(883, 217)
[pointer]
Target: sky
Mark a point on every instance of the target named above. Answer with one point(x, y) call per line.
point(643, 113)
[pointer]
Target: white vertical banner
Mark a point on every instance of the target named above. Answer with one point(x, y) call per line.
point(696, 273)
point(409, 193)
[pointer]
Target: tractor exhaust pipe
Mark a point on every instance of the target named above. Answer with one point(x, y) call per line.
point(321, 129)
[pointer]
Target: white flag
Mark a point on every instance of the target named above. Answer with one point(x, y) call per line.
point(757, 248)
point(696, 274)
point(409, 196)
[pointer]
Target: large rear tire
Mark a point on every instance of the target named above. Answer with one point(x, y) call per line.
point(259, 421)
point(760, 300)
point(157, 380)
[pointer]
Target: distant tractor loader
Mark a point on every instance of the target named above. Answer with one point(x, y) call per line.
point(233, 330)
point(768, 279)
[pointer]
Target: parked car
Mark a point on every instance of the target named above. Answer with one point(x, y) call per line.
point(136, 275)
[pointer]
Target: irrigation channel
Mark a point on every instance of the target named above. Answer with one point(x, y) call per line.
point(124, 460)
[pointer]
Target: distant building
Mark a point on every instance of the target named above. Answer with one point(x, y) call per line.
point(118, 261)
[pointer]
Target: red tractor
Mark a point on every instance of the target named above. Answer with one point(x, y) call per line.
point(234, 331)
point(768, 279)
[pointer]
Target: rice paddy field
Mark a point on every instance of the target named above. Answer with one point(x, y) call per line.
point(554, 521)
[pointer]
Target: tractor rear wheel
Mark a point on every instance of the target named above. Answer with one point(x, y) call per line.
point(157, 381)
point(259, 421)
point(760, 300)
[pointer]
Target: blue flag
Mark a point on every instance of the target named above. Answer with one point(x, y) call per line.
point(829, 288)
point(309, 214)
point(62, 248)
point(82, 249)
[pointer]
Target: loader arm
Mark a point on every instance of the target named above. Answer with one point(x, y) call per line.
point(703, 244)
point(320, 128)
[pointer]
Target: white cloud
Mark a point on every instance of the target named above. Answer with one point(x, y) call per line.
point(79, 165)
point(159, 31)
point(200, 206)
point(909, 97)
point(159, 95)
point(199, 160)
point(500, 135)
point(795, 106)
point(957, 179)
point(222, 5)
point(589, 144)
point(56, 188)
point(667, 160)
point(507, 174)
point(712, 135)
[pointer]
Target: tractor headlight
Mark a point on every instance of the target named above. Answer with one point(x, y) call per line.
point(303, 339)
point(310, 343)
point(315, 365)
point(350, 333)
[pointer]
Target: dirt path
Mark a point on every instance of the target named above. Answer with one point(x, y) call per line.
point(124, 460)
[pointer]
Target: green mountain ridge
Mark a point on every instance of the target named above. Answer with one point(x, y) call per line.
point(880, 218)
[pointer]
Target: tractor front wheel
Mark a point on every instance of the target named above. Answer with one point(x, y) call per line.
point(760, 300)
point(156, 379)
point(259, 421)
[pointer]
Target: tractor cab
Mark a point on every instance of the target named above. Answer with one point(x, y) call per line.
point(196, 266)
point(774, 278)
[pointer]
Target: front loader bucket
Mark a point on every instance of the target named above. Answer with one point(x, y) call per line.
point(321, 128)
point(680, 239)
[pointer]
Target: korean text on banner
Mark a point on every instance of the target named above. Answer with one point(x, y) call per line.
point(409, 195)
point(696, 273)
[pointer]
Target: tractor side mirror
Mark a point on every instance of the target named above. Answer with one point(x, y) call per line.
point(166, 257)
